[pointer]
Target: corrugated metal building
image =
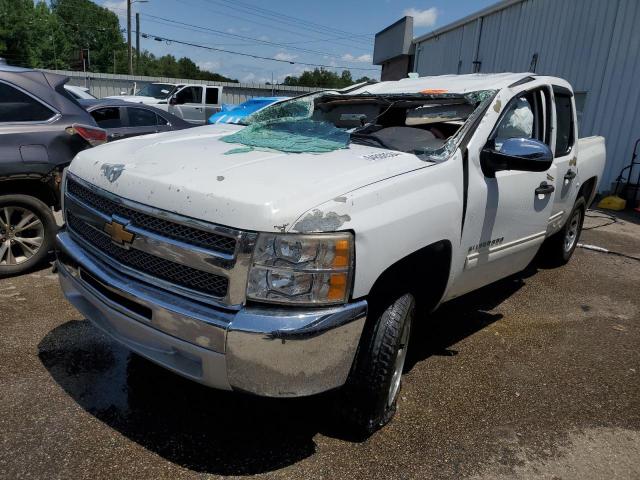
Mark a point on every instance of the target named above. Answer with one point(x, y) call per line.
point(594, 44)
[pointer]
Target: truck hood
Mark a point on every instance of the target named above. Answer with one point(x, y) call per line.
point(138, 99)
point(188, 172)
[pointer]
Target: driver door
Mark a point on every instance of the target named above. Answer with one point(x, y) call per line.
point(508, 210)
point(188, 105)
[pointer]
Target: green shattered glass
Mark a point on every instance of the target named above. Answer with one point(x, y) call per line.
point(291, 135)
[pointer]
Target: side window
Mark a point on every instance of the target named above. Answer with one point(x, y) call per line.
point(107, 117)
point(16, 106)
point(141, 117)
point(527, 116)
point(190, 95)
point(517, 122)
point(212, 96)
point(564, 121)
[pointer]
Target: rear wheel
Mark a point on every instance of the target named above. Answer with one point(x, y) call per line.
point(369, 398)
point(560, 246)
point(27, 228)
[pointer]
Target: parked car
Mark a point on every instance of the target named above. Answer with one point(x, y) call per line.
point(123, 119)
point(196, 103)
point(237, 113)
point(79, 93)
point(41, 129)
point(289, 274)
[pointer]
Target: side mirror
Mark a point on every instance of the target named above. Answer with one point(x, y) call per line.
point(526, 154)
point(174, 101)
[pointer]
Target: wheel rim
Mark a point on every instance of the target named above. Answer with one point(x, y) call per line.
point(21, 235)
point(401, 356)
point(571, 235)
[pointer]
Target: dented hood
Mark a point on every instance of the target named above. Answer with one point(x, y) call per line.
point(187, 172)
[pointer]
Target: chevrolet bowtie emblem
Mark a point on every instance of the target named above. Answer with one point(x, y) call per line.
point(118, 233)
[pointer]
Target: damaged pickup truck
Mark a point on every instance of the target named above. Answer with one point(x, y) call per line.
point(289, 256)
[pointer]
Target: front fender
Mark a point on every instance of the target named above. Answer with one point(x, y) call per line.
point(394, 217)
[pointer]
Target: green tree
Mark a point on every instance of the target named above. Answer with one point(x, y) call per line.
point(15, 31)
point(320, 77)
point(187, 68)
point(90, 26)
point(39, 35)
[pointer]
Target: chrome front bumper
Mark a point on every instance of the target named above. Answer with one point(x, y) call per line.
point(276, 352)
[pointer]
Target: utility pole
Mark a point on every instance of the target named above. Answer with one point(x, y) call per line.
point(137, 43)
point(114, 62)
point(129, 57)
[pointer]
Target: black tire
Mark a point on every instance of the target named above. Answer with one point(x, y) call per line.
point(14, 206)
point(557, 251)
point(365, 401)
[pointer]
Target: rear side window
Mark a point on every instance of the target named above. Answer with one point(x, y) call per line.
point(107, 117)
point(564, 120)
point(140, 117)
point(190, 95)
point(17, 106)
point(212, 96)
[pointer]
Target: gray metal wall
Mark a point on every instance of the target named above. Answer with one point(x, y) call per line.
point(105, 84)
point(594, 44)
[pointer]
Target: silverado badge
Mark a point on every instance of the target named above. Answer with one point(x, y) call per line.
point(118, 233)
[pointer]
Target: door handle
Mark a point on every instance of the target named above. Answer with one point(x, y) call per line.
point(545, 188)
point(570, 175)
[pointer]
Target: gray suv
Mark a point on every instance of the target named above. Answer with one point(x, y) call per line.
point(41, 129)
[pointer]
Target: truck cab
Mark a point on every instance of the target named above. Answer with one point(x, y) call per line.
point(288, 257)
point(196, 103)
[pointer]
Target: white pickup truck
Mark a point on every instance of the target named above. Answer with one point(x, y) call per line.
point(288, 274)
point(193, 103)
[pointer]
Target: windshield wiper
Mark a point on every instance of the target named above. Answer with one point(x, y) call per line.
point(368, 136)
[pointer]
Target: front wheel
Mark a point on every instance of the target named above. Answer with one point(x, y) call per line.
point(369, 398)
point(27, 228)
point(560, 246)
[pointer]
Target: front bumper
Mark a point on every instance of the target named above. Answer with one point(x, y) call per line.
point(277, 352)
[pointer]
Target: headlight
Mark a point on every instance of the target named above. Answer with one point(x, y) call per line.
point(301, 269)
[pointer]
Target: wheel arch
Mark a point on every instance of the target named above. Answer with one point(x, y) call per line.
point(38, 188)
point(425, 273)
point(587, 190)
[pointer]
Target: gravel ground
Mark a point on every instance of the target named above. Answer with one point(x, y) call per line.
point(536, 376)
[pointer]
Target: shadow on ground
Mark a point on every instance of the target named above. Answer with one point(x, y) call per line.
point(219, 432)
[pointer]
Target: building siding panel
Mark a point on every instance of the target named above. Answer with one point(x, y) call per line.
point(595, 45)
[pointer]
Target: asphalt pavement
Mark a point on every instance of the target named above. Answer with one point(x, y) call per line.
point(536, 376)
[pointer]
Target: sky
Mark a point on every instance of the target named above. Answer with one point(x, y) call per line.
point(336, 33)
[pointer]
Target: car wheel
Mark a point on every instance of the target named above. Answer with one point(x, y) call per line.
point(27, 228)
point(560, 246)
point(368, 400)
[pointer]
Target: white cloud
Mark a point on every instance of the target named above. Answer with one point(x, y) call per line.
point(423, 18)
point(116, 6)
point(365, 58)
point(211, 66)
point(287, 57)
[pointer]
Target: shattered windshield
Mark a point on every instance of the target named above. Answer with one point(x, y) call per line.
point(427, 125)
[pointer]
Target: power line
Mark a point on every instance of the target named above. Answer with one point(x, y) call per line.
point(279, 28)
point(235, 35)
point(283, 17)
point(244, 54)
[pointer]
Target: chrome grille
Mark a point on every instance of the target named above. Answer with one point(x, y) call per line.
point(187, 277)
point(173, 230)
